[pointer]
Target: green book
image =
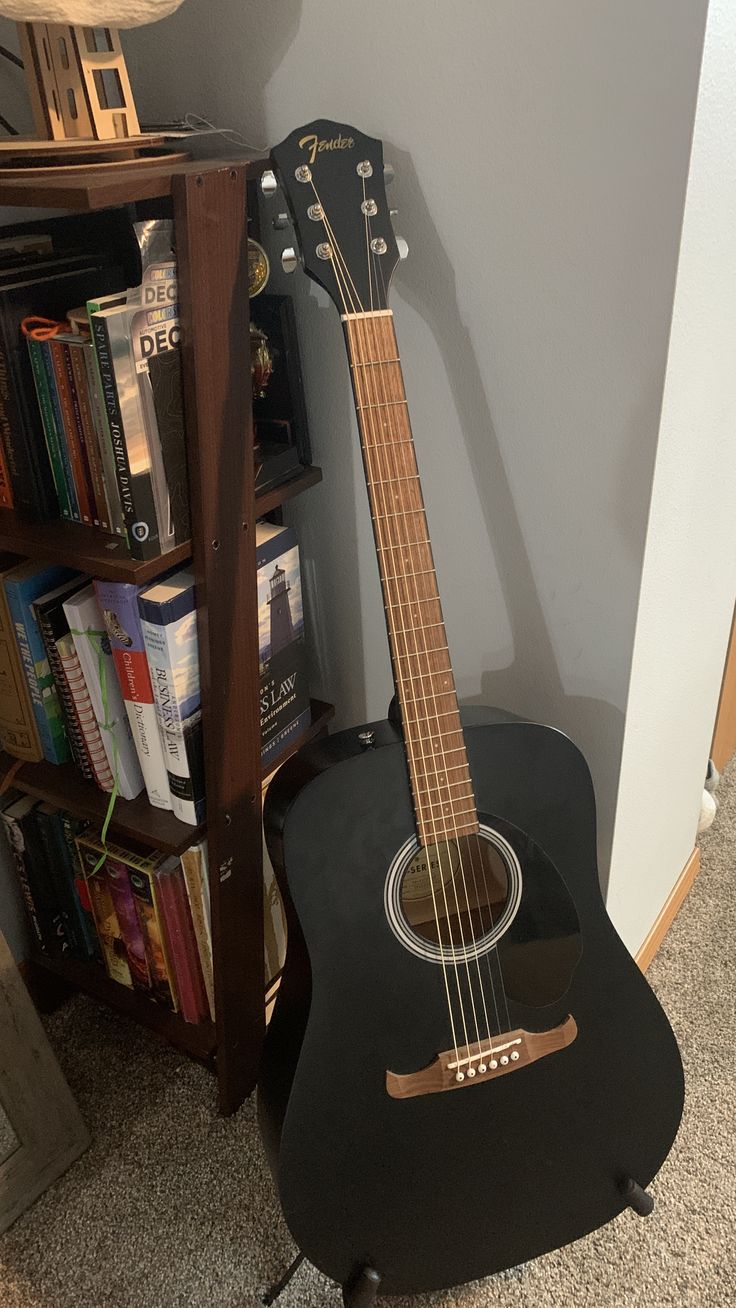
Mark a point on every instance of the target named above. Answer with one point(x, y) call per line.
point(53, 438)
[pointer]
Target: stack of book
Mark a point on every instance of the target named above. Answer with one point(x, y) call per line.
point(143, 916)
point(91, 411)
point(105, 674)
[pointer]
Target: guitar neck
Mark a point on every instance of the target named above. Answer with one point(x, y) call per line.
point(442, 791)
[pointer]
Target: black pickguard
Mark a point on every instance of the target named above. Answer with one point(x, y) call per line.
point(445, 1188)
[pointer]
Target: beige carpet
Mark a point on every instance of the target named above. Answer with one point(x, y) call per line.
point(174, 1206)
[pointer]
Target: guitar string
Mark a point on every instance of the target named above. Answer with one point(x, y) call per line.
point(477, 837)
point(354, 331)
point(411, 580)
point(341, 277)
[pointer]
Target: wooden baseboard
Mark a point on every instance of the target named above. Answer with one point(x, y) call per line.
point(671, 908)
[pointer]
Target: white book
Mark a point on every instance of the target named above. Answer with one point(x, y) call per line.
point(196, 876)
point(93, 650)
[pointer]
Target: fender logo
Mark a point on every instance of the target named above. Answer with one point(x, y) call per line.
point(315, 146)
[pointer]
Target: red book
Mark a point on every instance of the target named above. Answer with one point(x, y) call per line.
point(74, 443)
point(181, 942)
point(6, 490)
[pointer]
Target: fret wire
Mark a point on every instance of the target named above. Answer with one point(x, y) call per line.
point(381, 404)
point(386, 445)
point(460, 812)
point(427, 626)
point(400, 513)
point(404, 576)
point(392, 480)
point(374, 363)
point(464, 781)
point(448, 713)
point(436, 649)
point(402, 545)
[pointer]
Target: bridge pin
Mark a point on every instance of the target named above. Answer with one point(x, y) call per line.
point(494, 1063)
point(504, 1059)
point(482, 1068)
point(459, 1076)
point(471, 1071)
point(515, 1056)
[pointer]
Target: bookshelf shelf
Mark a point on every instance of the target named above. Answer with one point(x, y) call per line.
point(102, 555)
point(208, 200)
point(64, 786)
point(199, 1041)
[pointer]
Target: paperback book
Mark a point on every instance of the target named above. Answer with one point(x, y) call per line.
point(18, 731)
point(285, 709)
point(23, 585)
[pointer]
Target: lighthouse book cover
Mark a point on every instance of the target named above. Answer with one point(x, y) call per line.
point(282, 652)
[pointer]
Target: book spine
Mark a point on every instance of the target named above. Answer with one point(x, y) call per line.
point(119, 604)
point(136, 493)
point(194, 869)
point(74, 733)
point(103, 910)
point(56, 872)
point(18, 732)
point(25, 450)
point(104, 442)
point(181, 943)
point(49, 725)
point(53, 390)
point(99, 767)
point(70, 829)
point(48, 419)
point(6, 488)
point(15, 840)
point(83, 414)
point(149, 919)
point(181, 734)
point(27, 841)
point(132, 936)
point(62, 369)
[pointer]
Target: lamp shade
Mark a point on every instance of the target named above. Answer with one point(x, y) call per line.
point(89, 13)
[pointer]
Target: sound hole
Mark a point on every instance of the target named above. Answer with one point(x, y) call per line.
point(454, 892)
point(456, 898)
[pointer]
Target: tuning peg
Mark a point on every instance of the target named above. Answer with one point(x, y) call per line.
point(289, 259)
point(269, 185)
point(388, 173)
point(281, 221)
point(402, 247)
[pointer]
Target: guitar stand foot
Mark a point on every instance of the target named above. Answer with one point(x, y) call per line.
point(274, 1291)
point(636, 1198)
point(361, 1290)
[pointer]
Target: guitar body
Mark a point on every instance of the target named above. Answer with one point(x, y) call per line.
point(443, 1188)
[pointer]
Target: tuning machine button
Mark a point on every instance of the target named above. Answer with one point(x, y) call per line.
point(367, 739)
point(402, 246)
point(281, 221)
point(289, 259)
point(269, 185)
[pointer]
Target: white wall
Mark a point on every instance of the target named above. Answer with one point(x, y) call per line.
point(689, 576)
point(541, 155)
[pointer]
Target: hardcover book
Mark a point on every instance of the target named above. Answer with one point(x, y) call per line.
point(71, 432)
point(143, 884)
point(92, 866)
point(181, 942)
point(196, 877)
point(18, 731)
point(118, 602)
point(285, 710)
point(94, 747)
point(93, 649)
point(39, 894)
point(49, 613)
point(51, 838)
point(72, 827)
point(169, 625)
point(23, 585)
point(122, 898)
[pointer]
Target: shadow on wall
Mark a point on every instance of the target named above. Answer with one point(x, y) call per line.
point(530, 685)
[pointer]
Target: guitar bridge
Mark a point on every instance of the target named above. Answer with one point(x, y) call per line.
point(471, 1064)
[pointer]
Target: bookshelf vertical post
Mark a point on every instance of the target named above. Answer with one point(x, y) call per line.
point(211, 236)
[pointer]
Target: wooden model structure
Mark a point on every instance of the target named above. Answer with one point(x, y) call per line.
point(77, 82)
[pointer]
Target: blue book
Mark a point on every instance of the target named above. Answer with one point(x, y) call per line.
point(169, 625)
point(23, 585)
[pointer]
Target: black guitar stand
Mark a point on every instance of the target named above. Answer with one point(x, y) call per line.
point(358, 1292)
point(636, 1198)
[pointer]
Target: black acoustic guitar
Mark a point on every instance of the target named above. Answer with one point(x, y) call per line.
point(465, 1067)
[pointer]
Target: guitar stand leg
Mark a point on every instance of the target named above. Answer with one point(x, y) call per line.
point(636, 1197)
point(361, 1290)
point(273, 1293)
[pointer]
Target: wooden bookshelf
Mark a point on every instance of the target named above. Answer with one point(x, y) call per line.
point(208, 199)
point(103, 555)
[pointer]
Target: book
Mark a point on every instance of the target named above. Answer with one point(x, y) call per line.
point(52, 842)
point(104, 440)
point(95, 754)
point(118, 603)
point(93, 649)
point(285, 705)
point(48, 292)
point(6, 802)
point(78, 349)
point(49, 613)
point(71, 432)
point(181, 943)
point(92, 866)
point(125, 909)
point(169, 626)
point(50, 410)
point(6, 488)
point(72, 827)
point(196, 878)
point(141, 870)
point(39, 895)
point(18, 732)
point(23, 584)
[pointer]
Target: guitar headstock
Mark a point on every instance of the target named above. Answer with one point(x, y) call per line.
point(333, 179)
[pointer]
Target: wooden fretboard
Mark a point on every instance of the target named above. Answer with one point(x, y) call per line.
point(438, 767)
